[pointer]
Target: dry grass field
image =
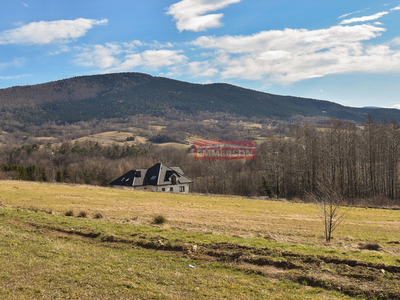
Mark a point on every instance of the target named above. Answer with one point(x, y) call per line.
point(240, 248)
point(120, 138)
point(109, 137)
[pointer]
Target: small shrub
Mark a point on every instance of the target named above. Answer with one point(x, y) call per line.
point(159, 219)
point(82, 214)
point(98, 216)
point(369, 246)
point(69, 213)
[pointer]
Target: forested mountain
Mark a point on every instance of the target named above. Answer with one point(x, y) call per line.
point(125, 94)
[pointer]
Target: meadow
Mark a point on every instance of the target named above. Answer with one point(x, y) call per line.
point(87, 242)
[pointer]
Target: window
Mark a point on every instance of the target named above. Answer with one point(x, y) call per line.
point(163, 189)
point(153, 177)
point(171, 189)
point(181, 188)
point(138, 174)
point(173, 179)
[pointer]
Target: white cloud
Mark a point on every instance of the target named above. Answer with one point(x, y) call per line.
point(291, 40)
point(159, 45)
point(293, 55)
point(397, 106)
point(396, 8)
point(133, 44)
point(192, 15)
point(194, 69)
point(272, 55)
point(117, 58)
point(24, 4)
point(365, 18)
point(48, 32)
point(151, 60)
point(99, 56)
point(349, 14)
point(137, 44)
point(395, 42)
point(62, 49)
point(378, 23)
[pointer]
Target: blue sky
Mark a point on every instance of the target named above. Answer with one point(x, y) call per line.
point(342, 51)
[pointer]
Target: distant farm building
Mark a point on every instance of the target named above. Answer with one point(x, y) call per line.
point(157, 178)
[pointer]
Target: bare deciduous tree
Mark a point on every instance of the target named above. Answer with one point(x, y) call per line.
point(332, 212)
point(332, 216)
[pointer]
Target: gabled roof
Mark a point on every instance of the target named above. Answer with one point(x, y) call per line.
point(159, 174)
point(126, 179)
point(177, 170)
point(152, 174)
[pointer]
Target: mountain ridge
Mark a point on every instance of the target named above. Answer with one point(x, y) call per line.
point(120, 95)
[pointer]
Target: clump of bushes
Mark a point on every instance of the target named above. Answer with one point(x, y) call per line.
point(82, 214)
point(369, 246)
point(159, 220)
point(98, 216)
point(36, 210)
point(69, 213)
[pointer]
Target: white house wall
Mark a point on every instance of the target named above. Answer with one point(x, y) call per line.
point(175, 188)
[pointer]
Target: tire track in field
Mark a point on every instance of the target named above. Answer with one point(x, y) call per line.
point(350, 277)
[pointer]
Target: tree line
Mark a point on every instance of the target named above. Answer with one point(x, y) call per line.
point(354, 162)
point(359, 163)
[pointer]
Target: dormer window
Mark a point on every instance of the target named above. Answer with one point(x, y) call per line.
point(138, 174)
point(173, 179)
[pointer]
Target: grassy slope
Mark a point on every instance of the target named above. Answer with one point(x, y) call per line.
point(53, 256)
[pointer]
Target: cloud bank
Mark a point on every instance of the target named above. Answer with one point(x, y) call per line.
point(49, 32)
point(292, 55)
point(192, 15)
point(276, 56)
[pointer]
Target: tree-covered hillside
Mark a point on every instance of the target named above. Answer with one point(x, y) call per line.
point(125, 94)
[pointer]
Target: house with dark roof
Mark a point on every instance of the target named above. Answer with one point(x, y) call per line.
point(157, 178)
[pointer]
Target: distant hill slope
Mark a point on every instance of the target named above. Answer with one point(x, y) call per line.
point(124, 94)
